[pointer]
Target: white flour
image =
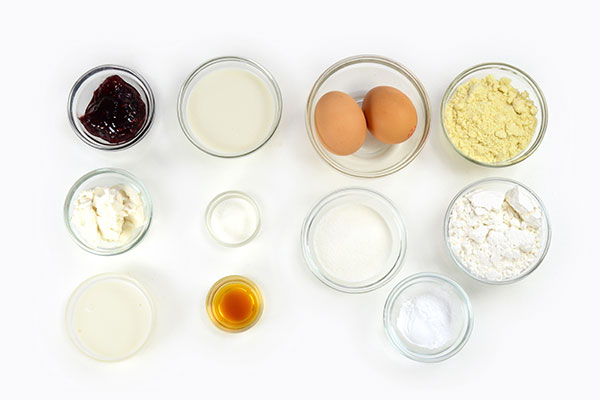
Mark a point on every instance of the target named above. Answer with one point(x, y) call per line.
point(496, 235)
point(353, 243)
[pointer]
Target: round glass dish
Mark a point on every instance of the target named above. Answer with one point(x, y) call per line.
point(356, 76)
point(233, 218)
point(219, 64)
point(108, 305)
point(521, 81)
point(234, 304)
point(107, 177)
point(401, 303)
point(82, 93)
point(501, 185)
point(334, 267)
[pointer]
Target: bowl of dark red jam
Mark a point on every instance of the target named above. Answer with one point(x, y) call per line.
point(111, 107)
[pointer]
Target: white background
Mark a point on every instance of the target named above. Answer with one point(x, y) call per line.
point(537, 337)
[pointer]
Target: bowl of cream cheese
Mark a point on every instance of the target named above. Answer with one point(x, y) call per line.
point(108, 211)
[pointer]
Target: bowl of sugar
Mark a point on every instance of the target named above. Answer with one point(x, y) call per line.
point(354, 240)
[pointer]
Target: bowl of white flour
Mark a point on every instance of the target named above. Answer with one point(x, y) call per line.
point(497, 230)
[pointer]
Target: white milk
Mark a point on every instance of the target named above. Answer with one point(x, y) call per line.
point(230, 110)
point(112, 319)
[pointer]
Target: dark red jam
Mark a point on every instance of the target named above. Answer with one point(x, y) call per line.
point(116, 112)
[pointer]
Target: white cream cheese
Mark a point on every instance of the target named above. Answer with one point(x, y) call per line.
point(108, 216)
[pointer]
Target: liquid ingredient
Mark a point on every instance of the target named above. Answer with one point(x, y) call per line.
point(353, 244)
point(391, 116)
point(116, 112)
point(234, 304)
point(111, 319)
point(108, 216)
point(340, 123)
point(230, 111)
point(489, 120)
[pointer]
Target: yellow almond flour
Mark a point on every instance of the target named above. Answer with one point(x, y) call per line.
point(489, 120)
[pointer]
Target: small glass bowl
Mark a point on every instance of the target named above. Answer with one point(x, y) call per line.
point(414, 286)
point(499, 184)
point(107, 177)
point(356, 76)
point(522, 82)
point(218, 201)
point(82, 93)
point(379, 204)
point(239, 282)
point(81, 290)
point(224, 63)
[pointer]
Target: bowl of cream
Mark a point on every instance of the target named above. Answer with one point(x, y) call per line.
point(229, 107)
point(108, 211)
point(354, 240)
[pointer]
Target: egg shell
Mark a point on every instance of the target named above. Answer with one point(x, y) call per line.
point(391, 115)
point(340, 123)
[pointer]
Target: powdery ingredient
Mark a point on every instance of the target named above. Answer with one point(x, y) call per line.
point(353, 243)
point(108, 216)
point(427, 320)
point(496, 235)
point(489, 120)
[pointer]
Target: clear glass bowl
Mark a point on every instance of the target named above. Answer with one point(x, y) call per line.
point(81, 290)
point(224, 63)
point(107, 177)
point(238, 282)
point(521, 81)
point(374, 201)
point(356, 76)
point(251, 207)
point(418, 285)
point(82, 93)
point(500, 184)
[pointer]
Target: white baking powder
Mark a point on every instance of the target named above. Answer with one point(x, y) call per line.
point(496, 235)
point(428, 320)
point(352, 243)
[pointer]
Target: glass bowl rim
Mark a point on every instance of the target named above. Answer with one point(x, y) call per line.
point(145, 197)
point(278, 99)
point(226, 280)
point(475, 185)
point(316, 210)
point(415, 279)
point(537, 92)
point(218, 199)
point(359, 59)
point(79, 290)
point(150, 105)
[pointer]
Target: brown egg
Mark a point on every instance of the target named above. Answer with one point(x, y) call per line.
point(391, 116)
point(341, 124)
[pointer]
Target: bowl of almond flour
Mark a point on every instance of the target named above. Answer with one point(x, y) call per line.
point(497, 230)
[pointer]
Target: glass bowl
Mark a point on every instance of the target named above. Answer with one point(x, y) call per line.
point(220, 289)
point(107, 177)
point(242, 210)
point(420, 288)
point(500, 184)
point(322, 263)
point(82, 93)
point(79, 294)
point(522, 82)
point(356, 76)
point(226, 63)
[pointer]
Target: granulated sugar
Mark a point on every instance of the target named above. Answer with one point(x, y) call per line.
point(353, 243)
